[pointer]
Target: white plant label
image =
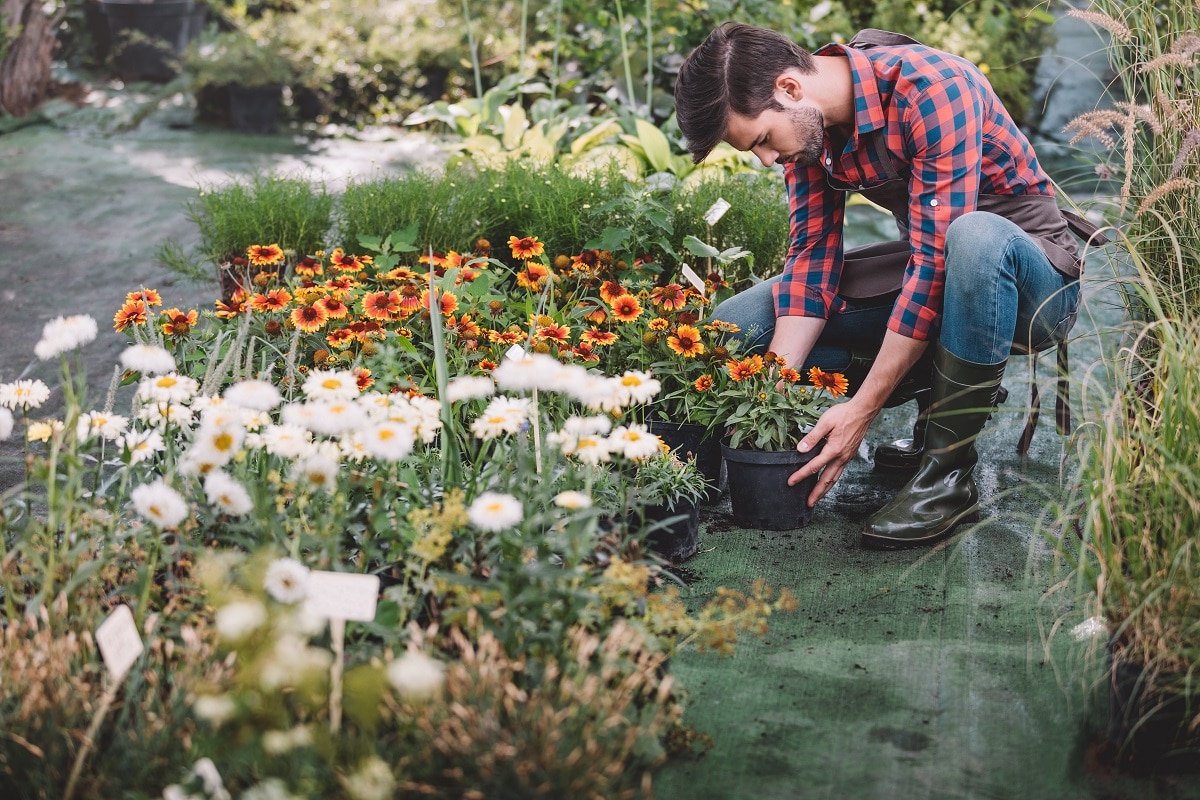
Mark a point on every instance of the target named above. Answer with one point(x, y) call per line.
point(342, 595)
point(716, 211)
point(516, 351)
point(693, 278)
point(119, 642)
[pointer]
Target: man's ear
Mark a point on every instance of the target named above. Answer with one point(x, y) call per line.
point(788, 84)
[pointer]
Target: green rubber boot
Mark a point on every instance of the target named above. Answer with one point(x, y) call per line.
point(943, 492)
point(904, 455)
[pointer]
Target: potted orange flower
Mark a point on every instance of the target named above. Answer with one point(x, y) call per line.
point(767, 408)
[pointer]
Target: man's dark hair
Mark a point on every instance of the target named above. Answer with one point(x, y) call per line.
point(733, 70)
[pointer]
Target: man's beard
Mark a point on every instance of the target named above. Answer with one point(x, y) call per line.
point(809, 127)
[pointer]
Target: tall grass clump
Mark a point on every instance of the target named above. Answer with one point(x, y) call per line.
point(1153, 136)
point(291, 211)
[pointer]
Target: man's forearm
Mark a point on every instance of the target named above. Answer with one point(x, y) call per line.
point(795, 337)
point(896, 357)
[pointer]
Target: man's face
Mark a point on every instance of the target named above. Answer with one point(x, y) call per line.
point(794, 134)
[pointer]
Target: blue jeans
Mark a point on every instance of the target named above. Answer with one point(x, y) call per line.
point(1002, 296)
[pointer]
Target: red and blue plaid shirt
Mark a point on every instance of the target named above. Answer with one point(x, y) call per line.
point(947, 133)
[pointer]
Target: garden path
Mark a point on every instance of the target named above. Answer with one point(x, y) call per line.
point(904, 675)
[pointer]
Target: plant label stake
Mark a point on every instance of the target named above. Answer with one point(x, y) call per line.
point(711, 218)
point(694, 280)
point(340, 596)
point(120, 647)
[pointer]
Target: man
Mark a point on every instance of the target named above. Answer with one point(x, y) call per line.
point(987, 266)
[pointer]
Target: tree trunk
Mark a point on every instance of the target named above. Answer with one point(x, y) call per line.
point(25, 78)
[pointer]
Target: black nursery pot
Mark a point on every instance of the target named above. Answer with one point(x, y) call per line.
point(689, 440)
point(147, 39)
point(674, 533)
point(254, 109)
point(1147, 729)
point(758, 490)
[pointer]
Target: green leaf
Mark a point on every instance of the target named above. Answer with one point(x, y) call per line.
point(699, 248)
point(597, 135)
point(612, 239)
point(655, 146)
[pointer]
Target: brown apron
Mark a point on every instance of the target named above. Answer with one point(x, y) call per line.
point(877, 270)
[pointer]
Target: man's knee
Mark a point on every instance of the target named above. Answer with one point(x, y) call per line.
point(977, 230)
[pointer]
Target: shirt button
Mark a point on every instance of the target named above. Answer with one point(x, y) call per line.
point(828, 161)
point(933, 202)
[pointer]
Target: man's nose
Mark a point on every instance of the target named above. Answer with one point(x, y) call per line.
point(766, 155)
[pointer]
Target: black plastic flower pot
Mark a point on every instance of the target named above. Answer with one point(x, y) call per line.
point(254, 109)
point(148, 38)
point(673, 533)
point(1148, 727)
point(689, 440)
point(759, 494)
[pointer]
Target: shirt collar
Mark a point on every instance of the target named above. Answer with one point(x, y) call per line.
point(868, 110)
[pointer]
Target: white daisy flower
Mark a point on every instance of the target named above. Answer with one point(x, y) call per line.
point(635, 442)
point(572, 500)
point(375, 403)
point(429, 417)
point(64, 334)
point(215, 708)
point(237, 620)
point(25, 394)
point(352, 446)
point(223, 439)
point(588, 448)
point(253, 394)
point(286, 580)
point(286, 441)
point(142, 444)
point(317, 470)
point(583, 426)
point(503, 415)
point(292, 661)
point(494, 511)
point(327, 417)
point(6, 423)
point(416, 676)
point(227, 494)
point(373, 780)
point(528, 372)
point(99, 423)
point(159, 503)
point(600, 393)
point(169, 388)
point(148, 359)
point(637, 387)
point(331, 384)
point(469, 387)
point(388, 441)
point(42, 431)
point(270, 789)
point(162, 414)
point(277, 743)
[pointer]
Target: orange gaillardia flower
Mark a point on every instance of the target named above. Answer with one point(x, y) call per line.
point(309, 318)
point(670, 297)
point(447, 302)
point(533, 277)
point(746, 367)
point(659, 324)
point(381, 305)
point(334, 308)
point(626, 308)
point(686, 341)
point(611, 290)
point(341, 338)
point(345, 262)
point(178, 323)
point(788, 374)
point(264, 255)
point(833, 382)
point(703, 383)
point(148, 297)
point(274, 300)
point(526, 247)
point(554, 333)
point(235, 307)
point(598, 338)
point(363, 379)
point(505, 337)
point(129, 314)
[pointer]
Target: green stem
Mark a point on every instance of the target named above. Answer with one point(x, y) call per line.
point(625, 54)
point(649, 58)
point(474, 51)
point(558, 14)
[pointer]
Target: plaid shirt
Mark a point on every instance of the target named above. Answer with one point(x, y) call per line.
point(948, 135)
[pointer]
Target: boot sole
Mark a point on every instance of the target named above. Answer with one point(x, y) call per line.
point(875, 542)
